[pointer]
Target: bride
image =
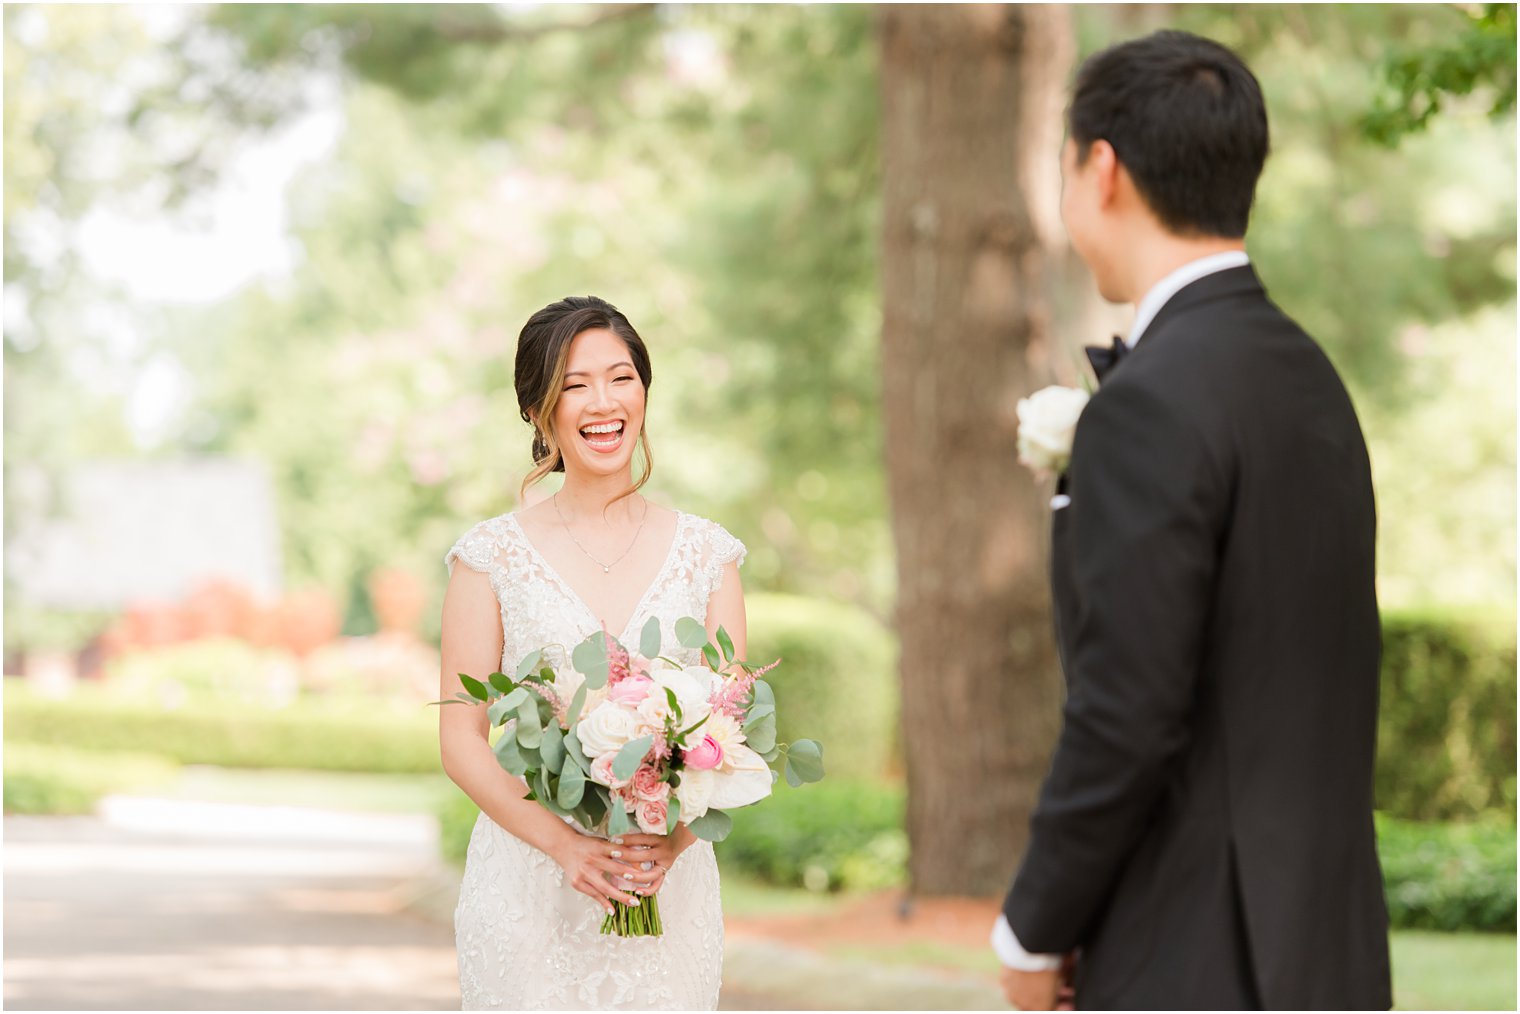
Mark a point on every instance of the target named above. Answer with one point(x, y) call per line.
point(595, 554)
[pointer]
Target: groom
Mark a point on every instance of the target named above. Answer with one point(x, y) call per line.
point(1204, 838)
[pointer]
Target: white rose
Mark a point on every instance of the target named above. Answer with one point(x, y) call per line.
point(606, 729)
point(692, 687)
point(1047, 424)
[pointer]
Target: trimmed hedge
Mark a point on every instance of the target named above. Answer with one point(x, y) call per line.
point(837, 682)
point(53, 779)
point(1448, 876)
point(1446, 727)
point(233, 737)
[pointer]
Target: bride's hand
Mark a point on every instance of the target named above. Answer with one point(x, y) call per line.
point(654, 854)
point(590, 865)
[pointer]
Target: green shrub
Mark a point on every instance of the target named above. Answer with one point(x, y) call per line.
point(220, 670)
point(232, 736)
point(53, 779)
point(1448, 876)
point(1446, 730)
point(836, 834)
point(837, 682)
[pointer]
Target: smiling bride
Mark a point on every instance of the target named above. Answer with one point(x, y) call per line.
point(596, 555)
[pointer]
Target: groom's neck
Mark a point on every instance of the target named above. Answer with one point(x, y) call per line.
point(1156, 253)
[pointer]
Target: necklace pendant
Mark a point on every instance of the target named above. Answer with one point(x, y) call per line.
point(606, 569)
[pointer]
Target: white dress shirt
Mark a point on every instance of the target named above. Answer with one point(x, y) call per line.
point(1009, 951)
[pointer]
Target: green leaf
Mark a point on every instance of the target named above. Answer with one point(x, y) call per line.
point(649, 639)
point(500, 682)
point(761, 736)
point(792, 778)
point(509, 756)
point(674, 702)
point(710, 656)
point(726, 643)
point(761, 693)
point(630, 756)
point(713, 825)
point(553, 748)
point(758, 712)
point(690, 633)
point(504, 706)
point(618, 819)
point(465, 697)
point(572, 786)
point(528, 664)
point(590, 659)
point(575, 751)
point(805, 757)
point(529, 732)
point(693, 728)
point(476, 688)
point(576, 704)
point(672, 815)
point(594, 805)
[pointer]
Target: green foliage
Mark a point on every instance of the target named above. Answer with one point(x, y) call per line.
point(1450, 877)
point(456, 820)
point(222, 671)
point(60, 779)
point(1480, 55)
point(1446, 723)
point(238, 737)
point(831, 836)
point(836, 682)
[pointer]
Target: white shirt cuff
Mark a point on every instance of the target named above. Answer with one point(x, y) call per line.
point(1012, 954)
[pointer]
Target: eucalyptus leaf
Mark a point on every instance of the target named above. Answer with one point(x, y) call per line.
point(528, 664)
point(690, 633)
point(503, 706)
point(727, 644)
point(576, 704)
point(806, 758)
point(672, 815)
point(713, 825)
point(529, 732)
point(475, 688)
point(761, 736)
point(553, 748)
point(792, 778)
point(758, 712)
point(761, 693)
point(500, 682)
point(509, 756)
point(649, 638)
point(576, 752)
point(618, 820)
point(572, 786)
point(630, 757)
point(590, 660)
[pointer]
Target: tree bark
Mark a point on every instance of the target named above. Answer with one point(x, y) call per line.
point(971, 105)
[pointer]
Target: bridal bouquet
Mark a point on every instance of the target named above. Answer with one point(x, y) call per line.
point(624, 740)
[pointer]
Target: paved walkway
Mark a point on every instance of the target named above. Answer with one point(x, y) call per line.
point(179, 905)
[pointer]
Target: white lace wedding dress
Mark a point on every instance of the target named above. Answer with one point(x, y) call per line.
point(526, 939)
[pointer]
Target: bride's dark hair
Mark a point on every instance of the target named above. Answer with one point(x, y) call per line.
point(543, 349)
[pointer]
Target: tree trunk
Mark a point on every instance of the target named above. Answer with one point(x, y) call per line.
point(971, 104)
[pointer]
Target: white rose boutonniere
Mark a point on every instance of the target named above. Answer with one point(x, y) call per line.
point(1047, 424)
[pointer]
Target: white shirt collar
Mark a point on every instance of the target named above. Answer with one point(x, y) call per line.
point(1169, 286)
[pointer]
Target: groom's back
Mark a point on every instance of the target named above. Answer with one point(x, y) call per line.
point(1285, 726)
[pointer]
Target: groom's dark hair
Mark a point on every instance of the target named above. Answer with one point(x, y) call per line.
point(1186, 118)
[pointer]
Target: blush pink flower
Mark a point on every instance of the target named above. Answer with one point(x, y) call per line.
point(630, 690)
point(651, 815)
point(706, 755)
point(647, 785)
point(601, 772)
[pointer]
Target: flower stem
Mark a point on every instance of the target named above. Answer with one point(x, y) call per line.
point(628, 921)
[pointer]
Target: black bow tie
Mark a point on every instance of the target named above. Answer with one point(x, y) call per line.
point(1105, 359)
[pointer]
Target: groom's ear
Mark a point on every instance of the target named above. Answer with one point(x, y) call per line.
point(1103, 163)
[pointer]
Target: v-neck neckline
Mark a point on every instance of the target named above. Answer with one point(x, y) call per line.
point(580, 600)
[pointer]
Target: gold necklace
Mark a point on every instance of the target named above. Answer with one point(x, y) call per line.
point(606, 567)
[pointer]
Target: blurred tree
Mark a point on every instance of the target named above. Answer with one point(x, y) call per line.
point(1481, 57)
point(971, 103)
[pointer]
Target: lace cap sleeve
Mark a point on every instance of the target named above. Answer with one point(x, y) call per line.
point(476, 547)
point(721, 550)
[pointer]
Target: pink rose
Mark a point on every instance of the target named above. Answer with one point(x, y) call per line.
point(706, 755)
point(601, 771)
point(638, 665)
point(647, 785)
point(651, 815)
point(630, 692)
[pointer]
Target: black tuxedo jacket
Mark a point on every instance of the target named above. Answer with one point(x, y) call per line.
point(1205, 833)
